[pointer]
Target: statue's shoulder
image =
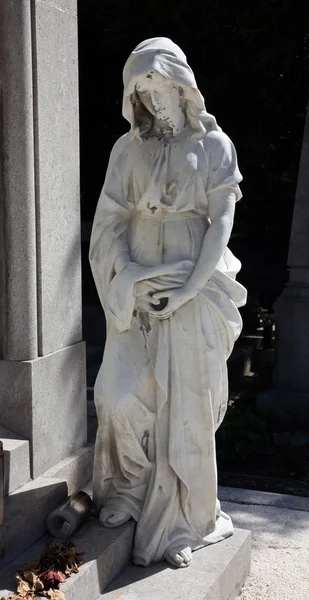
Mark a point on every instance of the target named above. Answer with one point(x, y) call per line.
point(217, 142)
point(121, 146)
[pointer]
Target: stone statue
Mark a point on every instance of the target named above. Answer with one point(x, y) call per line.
point(166, 280)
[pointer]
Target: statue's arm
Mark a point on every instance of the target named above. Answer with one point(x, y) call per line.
point(109, 250)
point(221, 214)
point(222, 193)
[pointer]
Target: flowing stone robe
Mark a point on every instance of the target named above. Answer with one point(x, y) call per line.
point(162, 389)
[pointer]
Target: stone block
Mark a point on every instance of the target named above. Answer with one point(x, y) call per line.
point(15, 396)
point(107, 551)
point(76, 469)
point(292, 348)
point(57, 155)
point(69, 6)
point(16, 460)
point(217, 572)
point(25, 515)
point(18, 305)
point(45, 401)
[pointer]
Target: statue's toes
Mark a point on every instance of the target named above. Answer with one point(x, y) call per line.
point(174, 559)
point(186, 554)
point(179, 559)
point(105, 514)
point(117, 518)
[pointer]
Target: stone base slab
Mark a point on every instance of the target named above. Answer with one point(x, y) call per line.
point(25, 513)
point(217, 572)
point(44, 400)
point(27, 508)
point(106, 552)
point(16, 460)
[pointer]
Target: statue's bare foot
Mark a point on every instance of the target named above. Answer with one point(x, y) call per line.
point(113, 518)
point(181, 558)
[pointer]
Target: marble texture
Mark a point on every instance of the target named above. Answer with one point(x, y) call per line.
point(45, 399)
point(18, 306)
point(106, 554)
point(217, 573)
point(161, 230)
point(57, 163)
point(16, 460)
point(69, 6)
point(26, 510)
point(76, 469)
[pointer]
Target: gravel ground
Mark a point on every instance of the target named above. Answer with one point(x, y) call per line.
point(280, 549)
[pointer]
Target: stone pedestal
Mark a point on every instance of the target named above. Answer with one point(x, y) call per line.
point(42, 371)
point(289, 398)
point(44, 401)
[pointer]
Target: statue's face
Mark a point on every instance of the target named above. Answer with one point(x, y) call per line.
point(159, 95)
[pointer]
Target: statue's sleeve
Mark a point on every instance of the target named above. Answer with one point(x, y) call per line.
point(223, 167)
point(109, 231)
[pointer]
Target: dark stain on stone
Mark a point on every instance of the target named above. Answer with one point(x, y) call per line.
point(151, 208)
point(145, 321)
point(145, 325)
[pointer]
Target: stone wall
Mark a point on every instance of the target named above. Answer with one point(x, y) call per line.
point(42, 371)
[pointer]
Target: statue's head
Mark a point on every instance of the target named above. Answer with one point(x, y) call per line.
point(156, 78)
point(155, 97)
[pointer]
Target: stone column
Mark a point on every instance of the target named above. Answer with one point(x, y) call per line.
point(42, 371)
point(289, 397)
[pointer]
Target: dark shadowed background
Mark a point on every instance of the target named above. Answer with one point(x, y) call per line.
point(251, 62)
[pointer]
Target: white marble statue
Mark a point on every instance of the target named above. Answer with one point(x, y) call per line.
point(166, 280)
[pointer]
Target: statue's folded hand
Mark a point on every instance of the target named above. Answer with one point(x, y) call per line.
point(176, 298)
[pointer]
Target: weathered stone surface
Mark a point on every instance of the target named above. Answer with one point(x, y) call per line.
point(16, 460)
point(58, 406)
point(18, 305)
point(69, 6)
point(76, 469)
point(26, 511)
point(217, 572)
point(27, 508)
point(15, 396)
point(45, 401)
point(57, 161)
point(106, 553)
point(162, 389)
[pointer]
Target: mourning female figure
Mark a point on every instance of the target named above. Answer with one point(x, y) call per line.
point(166, 280)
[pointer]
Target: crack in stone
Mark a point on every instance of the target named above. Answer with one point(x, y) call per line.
point(64, 10)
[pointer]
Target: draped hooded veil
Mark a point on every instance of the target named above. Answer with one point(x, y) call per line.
point(162, 55)
point(162, 389)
